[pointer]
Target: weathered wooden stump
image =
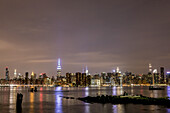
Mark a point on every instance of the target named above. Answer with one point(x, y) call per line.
point(35, 89)
point(19, 102)
point(32, 89)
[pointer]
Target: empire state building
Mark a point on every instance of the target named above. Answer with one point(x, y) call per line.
point(58, 68)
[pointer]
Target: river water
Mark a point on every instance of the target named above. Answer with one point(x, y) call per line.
point(49, 100)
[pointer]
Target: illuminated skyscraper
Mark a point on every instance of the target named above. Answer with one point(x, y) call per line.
point(32, 75)
point(117, 69)
point(59, 68)
point(68, 77)
point(26, 78)
point(83, 79)
point(78, 78)
point(87, 71)
point(150, 68)
point(32, 80)
point(7, 74)
point(162, 75)
point(83, 70)
point(155, 79)
point(15, 73)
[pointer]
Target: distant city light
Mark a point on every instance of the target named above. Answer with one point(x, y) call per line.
point(168, 72)
point(58, 89)
point(87, 88)
point(87, 71)
point(155, 71)
point(15, 73)
point(150, 67)
point(32, 73)
point(114, 71)
point(117, 69)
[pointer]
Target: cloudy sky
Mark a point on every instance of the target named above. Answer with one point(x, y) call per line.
point(101, 34)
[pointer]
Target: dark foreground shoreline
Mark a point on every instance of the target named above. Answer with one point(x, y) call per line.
point(164, 101)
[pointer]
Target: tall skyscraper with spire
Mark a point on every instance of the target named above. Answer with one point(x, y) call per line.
point(58, 67)
point(15, 73)
point(150, 68)
point(87, 71)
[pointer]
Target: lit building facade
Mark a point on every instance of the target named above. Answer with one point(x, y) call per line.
point(162, 75)
point(58, 68)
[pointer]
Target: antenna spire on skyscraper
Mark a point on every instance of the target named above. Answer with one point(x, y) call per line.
point(150, 68)
point(59, 64)
point(58, 67)
point(87, 71)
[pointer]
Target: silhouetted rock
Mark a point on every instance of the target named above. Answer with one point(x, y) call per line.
point(127, 99)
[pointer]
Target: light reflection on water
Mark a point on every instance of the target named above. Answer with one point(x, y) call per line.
point(12, 99)
point(115, 110)
point(131, 91)
point(50, 100)
point(119, 90)
point(58, 100)
point(114, 91)
point(31, 102)
point(168, 91)
point(41, 102)
point(86, 91)
point(87, 107)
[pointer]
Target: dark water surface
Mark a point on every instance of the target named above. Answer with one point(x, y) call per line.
point(49, 100)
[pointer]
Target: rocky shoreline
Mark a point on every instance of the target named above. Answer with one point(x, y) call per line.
point(139, 99)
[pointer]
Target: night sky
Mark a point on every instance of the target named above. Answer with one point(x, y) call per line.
point(101, 34)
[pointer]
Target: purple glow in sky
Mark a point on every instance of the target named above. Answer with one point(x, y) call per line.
point(100, 34)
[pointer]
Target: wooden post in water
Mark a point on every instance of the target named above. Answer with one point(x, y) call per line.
point(19, 102)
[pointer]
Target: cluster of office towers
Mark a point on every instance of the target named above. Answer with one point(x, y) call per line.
point(85, 79)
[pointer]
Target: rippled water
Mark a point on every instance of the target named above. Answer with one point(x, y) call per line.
point(49, 100)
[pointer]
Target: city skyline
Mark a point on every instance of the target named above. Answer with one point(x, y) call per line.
point(84, 56)
point(59, 71)
point(102, 35)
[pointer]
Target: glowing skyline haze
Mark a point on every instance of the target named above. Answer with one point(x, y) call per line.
point(100, 34)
